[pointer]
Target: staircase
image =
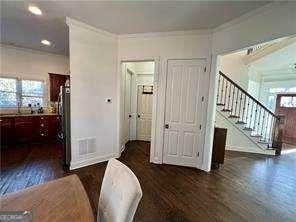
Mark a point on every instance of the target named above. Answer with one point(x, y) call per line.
point(248, 115)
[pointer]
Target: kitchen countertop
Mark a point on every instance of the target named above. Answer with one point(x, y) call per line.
point(28, 114)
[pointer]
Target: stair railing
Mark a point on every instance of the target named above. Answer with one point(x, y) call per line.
point(249, 112)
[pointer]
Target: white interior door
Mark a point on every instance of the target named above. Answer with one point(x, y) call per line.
point(144, 113)
point(127, 105)
point(183, 112)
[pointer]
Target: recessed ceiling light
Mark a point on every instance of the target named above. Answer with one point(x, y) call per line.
point(35, 10)
point(45, 42)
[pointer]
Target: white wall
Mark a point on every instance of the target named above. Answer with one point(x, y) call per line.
point(265, 24)
point(31, 64)
point(237, 141)
point(181, 45)
point(93, 63)
point(233, 66)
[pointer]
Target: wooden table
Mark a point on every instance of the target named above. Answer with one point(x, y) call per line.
point(60, 200)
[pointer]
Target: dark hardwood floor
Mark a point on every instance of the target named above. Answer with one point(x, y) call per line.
point(246, 188)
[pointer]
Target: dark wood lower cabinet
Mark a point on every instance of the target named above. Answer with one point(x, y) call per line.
point(6, 125)
point(28, 129)
point(23, 129)
point(41, 126)
point(219, 147)
point(54, 127)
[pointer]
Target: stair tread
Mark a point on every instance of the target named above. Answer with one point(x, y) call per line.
point(263, 141)
point(241, 122)
point(233, 116)
point(226, 110)
point(220, 104)
point(248, 129)
point(256, 135)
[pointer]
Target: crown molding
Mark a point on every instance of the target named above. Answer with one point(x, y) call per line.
point(31, 50)
point(166, 34)
point(248, 15)
point(73, 22)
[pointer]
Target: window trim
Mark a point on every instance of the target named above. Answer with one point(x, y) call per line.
point(19, 95)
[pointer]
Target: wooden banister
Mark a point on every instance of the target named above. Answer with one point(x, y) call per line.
point(247, 94)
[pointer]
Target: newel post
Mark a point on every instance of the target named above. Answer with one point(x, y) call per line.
point(278, 134)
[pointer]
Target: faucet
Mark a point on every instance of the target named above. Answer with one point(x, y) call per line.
point(18, 108)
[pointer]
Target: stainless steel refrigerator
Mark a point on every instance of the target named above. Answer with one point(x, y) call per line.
point(65, 133)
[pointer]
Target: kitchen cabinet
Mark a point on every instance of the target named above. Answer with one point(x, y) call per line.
point(6, 125)
point(54, 127)
point(41, 128)
point(23, 129)
point(56, 80)
point(29, 129)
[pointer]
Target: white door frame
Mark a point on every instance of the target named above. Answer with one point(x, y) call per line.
point(128, 72)
point(154, 103)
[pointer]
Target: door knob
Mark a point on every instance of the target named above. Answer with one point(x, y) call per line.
point(129, 116)
point(139, 115)
point(167, 126)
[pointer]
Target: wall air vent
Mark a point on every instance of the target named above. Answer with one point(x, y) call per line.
point(86, 146)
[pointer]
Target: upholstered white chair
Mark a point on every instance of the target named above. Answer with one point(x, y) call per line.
point(120, 194)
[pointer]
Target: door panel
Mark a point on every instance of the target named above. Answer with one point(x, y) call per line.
point(173, 141)
point(175, 98)
point(189, 143)
point(183, 112)
point(286, 106)
point(144, 119)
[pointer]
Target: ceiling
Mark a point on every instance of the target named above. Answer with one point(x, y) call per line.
point(21, 28)
point(281, 59)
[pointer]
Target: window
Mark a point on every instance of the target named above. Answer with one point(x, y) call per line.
point(16, 93)
point(8, 92)
point(32, 93)
point(272, 93)
point(288, 101)
point(271, 102)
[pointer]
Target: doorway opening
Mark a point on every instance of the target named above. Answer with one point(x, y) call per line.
point(137, 99)
point(251, 85)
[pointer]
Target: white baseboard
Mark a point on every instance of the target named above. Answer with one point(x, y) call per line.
point(248, 150)
point(154, 160)
point(91, 160)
